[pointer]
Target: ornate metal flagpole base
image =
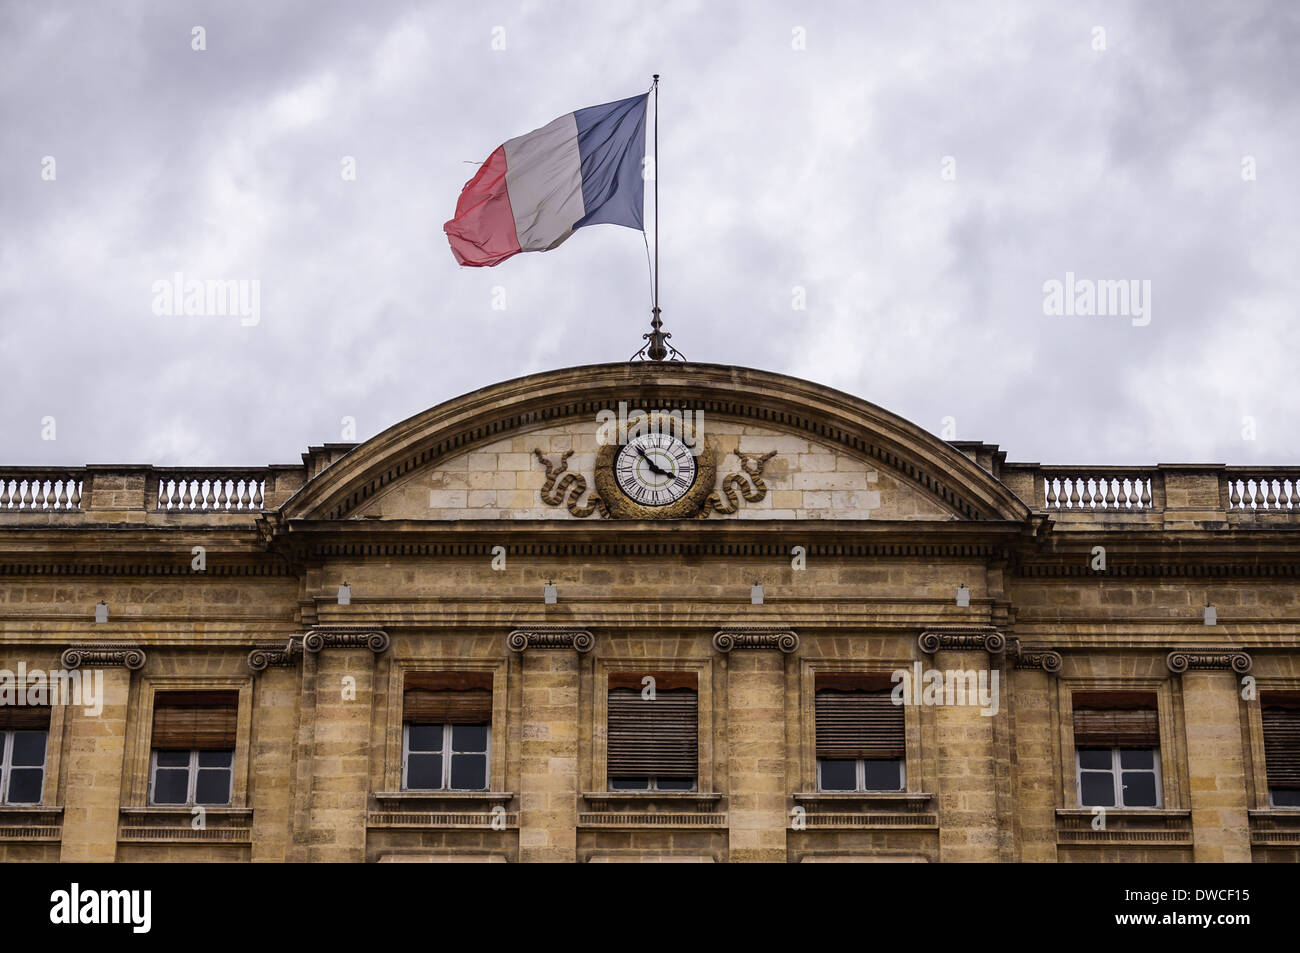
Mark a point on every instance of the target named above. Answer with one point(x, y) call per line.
point(656, 347)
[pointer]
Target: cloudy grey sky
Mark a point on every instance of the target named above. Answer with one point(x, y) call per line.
point(820, 168)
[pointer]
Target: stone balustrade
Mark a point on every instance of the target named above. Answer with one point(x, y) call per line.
point(1263, 490)
point(216, 490)
point(31, 488)
point(1099, 488)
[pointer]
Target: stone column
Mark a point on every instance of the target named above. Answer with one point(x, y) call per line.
point(1216, 761)
point(339, 786)
point(275, 701)
point(756, 743)
point(1033, 749)
point(966, 755)
point(96, 748)
point(548, 747)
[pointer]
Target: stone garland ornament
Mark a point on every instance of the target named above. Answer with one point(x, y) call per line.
point(569, 489)
point(1180, 660)
point(274, 656)
point(580, 640)
point(784, 640)
point(934, 640)
point(364, 637)
point(752, 489)
point(131, 657)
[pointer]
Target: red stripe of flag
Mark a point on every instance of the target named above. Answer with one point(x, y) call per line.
point(483, 231)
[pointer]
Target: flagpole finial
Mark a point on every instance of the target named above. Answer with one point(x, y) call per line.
point(657, 347)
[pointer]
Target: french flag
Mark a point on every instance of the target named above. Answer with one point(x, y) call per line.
point(531, 193)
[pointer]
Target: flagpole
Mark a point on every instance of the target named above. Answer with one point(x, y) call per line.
point(656, 347)
point(656, 294)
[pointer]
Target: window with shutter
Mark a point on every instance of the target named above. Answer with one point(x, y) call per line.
point(653, 732)
point(193, 747)
point(1281, 717)
point(24, 738)
point(860, 731)
point(446, 730)
point(1117, 749)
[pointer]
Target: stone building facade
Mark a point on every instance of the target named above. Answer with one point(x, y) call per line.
point(504, 631)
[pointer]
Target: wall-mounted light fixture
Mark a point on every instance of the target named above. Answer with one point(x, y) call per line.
point(345, 595)
point(963, 597)
point(101, 612)
point(550, 594)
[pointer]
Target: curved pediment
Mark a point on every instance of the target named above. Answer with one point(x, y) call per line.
point(769, 447)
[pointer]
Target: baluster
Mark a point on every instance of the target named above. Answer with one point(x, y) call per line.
point(1146, 494)
point(62, 502)
point(1074, 492)
point(27, 495)
point(4, 494)
point(1234, 494)
point(223, 501)
point(1271, 501)
point(244, 497)
point(210, 495)
point(74, 501)
point(186, 497)
point(257, 494)
point(1110, 494)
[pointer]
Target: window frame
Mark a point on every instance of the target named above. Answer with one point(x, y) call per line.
point(653, 787)
point(860, 775)
point(446, 753)
point(192, 778)
point(6, 765)
point(1116, 773)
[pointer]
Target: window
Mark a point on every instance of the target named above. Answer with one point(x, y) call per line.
point(446, 731)
point(193, 748)
point(861, 734)
point(1281, 716)
point(1117, 749)
point(24, 737)
point(1118, 777)
point(653, 736)
point(191, 777)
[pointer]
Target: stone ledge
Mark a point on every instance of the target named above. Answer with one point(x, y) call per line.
point(21, 823)
point(1125, 827)
point(155, 824)
point(442, 820)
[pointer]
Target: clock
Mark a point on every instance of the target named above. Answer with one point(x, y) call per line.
point(655, 469)
point(663, 470)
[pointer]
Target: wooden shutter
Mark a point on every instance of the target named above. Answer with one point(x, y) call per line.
point(24, 717)
point(1281, 713)
point(1116, 720)
point(857, 718)
point(658, 737)
point(447, 698)
point(184, 721)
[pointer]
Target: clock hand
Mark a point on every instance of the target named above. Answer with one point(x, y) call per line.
point(651, 464)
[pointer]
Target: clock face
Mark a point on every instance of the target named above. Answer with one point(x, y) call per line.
point(655, 469)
